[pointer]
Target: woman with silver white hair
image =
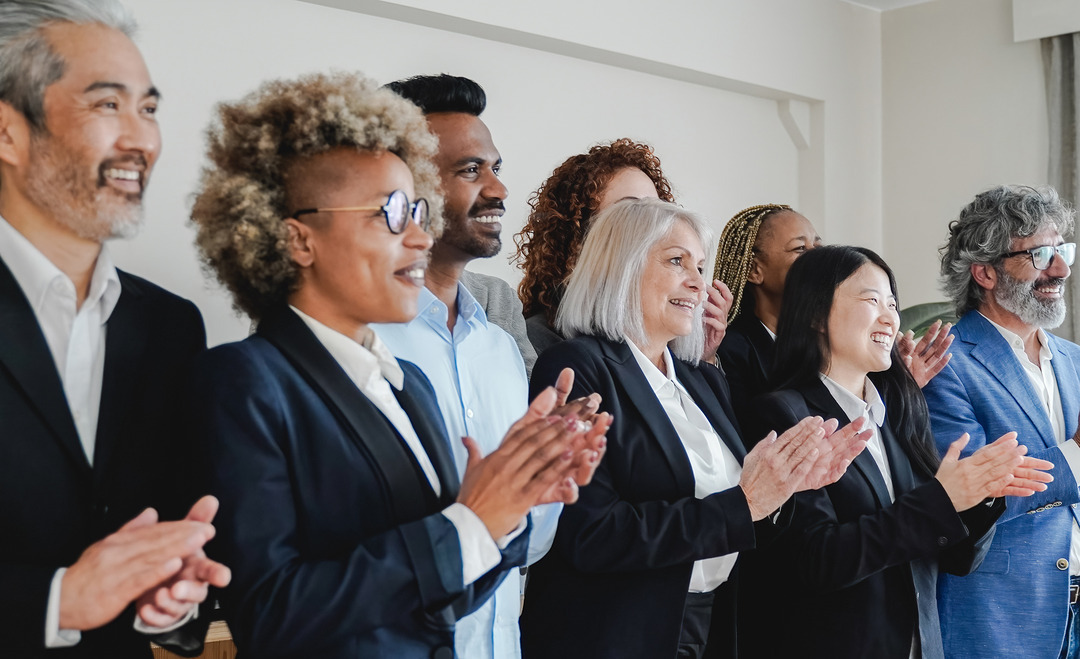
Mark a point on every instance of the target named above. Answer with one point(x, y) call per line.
point(643, 560)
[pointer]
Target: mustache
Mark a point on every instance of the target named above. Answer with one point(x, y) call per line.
point(480, 209)
point(1047, 281)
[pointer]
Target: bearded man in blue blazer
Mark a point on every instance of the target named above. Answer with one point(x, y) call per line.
point(1005, 267)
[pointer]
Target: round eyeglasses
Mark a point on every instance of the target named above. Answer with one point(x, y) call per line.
point(1043, 256)
point(397, 211)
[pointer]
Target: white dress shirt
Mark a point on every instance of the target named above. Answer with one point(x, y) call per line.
point(1045, 382)
point(714, 466)
point(75, 336)
point(871, 408)
point(373, 369)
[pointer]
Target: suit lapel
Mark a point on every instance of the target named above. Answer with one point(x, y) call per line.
point(25, 356)
point(997, 357)
point(715, 409)
point(432, 434)
point(1065, 374)
point(820, 401)
point(362, 422)
point(637, 389)
point(125, 339)
point(899, 464)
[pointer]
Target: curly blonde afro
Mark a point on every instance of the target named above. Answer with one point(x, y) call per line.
point(240, 205)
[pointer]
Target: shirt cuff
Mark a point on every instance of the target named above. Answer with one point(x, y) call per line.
point(479, 552)
point(144, 628)
point(1071, 451)
point(54, 636)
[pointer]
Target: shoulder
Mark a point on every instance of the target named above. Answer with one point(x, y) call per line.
point(584, 354)
point(150, 293)
point(476, 281)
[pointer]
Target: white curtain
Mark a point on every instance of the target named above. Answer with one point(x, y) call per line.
point(1060, 68)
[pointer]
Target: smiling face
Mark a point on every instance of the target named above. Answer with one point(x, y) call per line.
point(354, 271)
point(627, 183)
point(469, 167)
point(672, 285)
point(783, 237)
point(88, 170)
point(1036, 297)
point(863, 324)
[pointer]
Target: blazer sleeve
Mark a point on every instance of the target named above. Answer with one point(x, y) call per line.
point(605, 531)
point(280, 601)
point(953, 412)
point(829, 554)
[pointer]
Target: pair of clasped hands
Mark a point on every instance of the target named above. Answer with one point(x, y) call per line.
point(544, 458)
point(160, 566)
point(813, 454)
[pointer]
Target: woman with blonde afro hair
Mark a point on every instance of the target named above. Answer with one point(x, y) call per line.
point(343, 518)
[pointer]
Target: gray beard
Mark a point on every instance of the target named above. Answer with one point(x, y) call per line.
point(1019, 298)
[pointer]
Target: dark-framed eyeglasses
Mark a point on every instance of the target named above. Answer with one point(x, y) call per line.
point(1043, 256)
point(397, 211)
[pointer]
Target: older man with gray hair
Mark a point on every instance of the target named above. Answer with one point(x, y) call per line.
point(1004, 268)
point(94, 362)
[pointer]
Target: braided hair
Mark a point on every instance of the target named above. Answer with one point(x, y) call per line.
point(735, 253)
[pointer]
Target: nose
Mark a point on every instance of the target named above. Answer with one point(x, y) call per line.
point(493, 187)
point(416, 238)
point(1057, 267)
point(140, 134)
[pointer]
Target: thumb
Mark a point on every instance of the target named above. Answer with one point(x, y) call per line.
point(564, 385)
point(147, 517)
point(204, 510)
point(543, 404)
point(473, 450)
point(953, 454)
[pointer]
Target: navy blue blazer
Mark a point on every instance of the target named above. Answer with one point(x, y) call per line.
point(616, 579)
point(859, 570)
point(335, 538)
point(53, 503)
point(984, 391)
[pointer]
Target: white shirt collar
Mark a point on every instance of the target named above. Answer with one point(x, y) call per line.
point(372, 359)
point(854, 407)
point(36, 275)
point(656, 378)
point(1017, 344)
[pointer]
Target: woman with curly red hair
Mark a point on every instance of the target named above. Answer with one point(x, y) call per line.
point(548, 245)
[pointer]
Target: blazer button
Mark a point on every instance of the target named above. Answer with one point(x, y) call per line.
point(942, 541)
point(442, 653)
point(1062, 564)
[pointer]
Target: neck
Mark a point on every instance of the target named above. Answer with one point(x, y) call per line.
point(653, 349)
point(442, 277)
point(74, 255)
point(850, 379)
point(766, 309)
point(327, 313)
point(1010, 321)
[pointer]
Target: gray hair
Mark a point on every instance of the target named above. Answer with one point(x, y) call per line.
point(28, 64)
point(603, 293)
point(985, 230)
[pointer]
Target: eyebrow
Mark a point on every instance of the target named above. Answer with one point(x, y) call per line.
point(151, 92)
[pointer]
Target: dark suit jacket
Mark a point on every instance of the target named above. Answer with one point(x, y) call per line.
point(855, 573)
point(746, 355)
point(53, 504)
point(615, 581)
point(335, 537)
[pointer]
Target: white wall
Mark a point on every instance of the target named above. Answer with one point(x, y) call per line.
point(722, 150)
point(964, 109)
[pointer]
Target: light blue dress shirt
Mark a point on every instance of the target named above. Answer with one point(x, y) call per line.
point(479, 379)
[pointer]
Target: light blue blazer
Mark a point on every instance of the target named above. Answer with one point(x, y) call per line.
point(1016, 603)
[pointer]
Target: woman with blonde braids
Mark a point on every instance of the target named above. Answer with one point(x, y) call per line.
point(757, 247)
point(548, 245)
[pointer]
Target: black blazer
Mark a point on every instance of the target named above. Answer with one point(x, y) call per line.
point(616, 579)
point(855, 573)
point(53, 504)
point(746, 355)
point(335, 537)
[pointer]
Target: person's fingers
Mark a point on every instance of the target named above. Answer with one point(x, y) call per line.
point(796, 437)
point(146, 518)
point(211, 572)
point(204, 509)
point(132, 580)
point(473, 452)
point(189, 592)
point(953, 454)
point(1043, 466)
point(563, 386)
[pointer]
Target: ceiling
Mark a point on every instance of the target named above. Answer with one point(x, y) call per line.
point(885, 5)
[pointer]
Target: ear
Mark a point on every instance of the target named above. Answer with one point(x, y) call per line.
point(301, 243)
point(984, 275)
point(14, 135)
point(757, 273)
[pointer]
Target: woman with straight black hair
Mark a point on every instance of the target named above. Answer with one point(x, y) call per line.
point(855, 576)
